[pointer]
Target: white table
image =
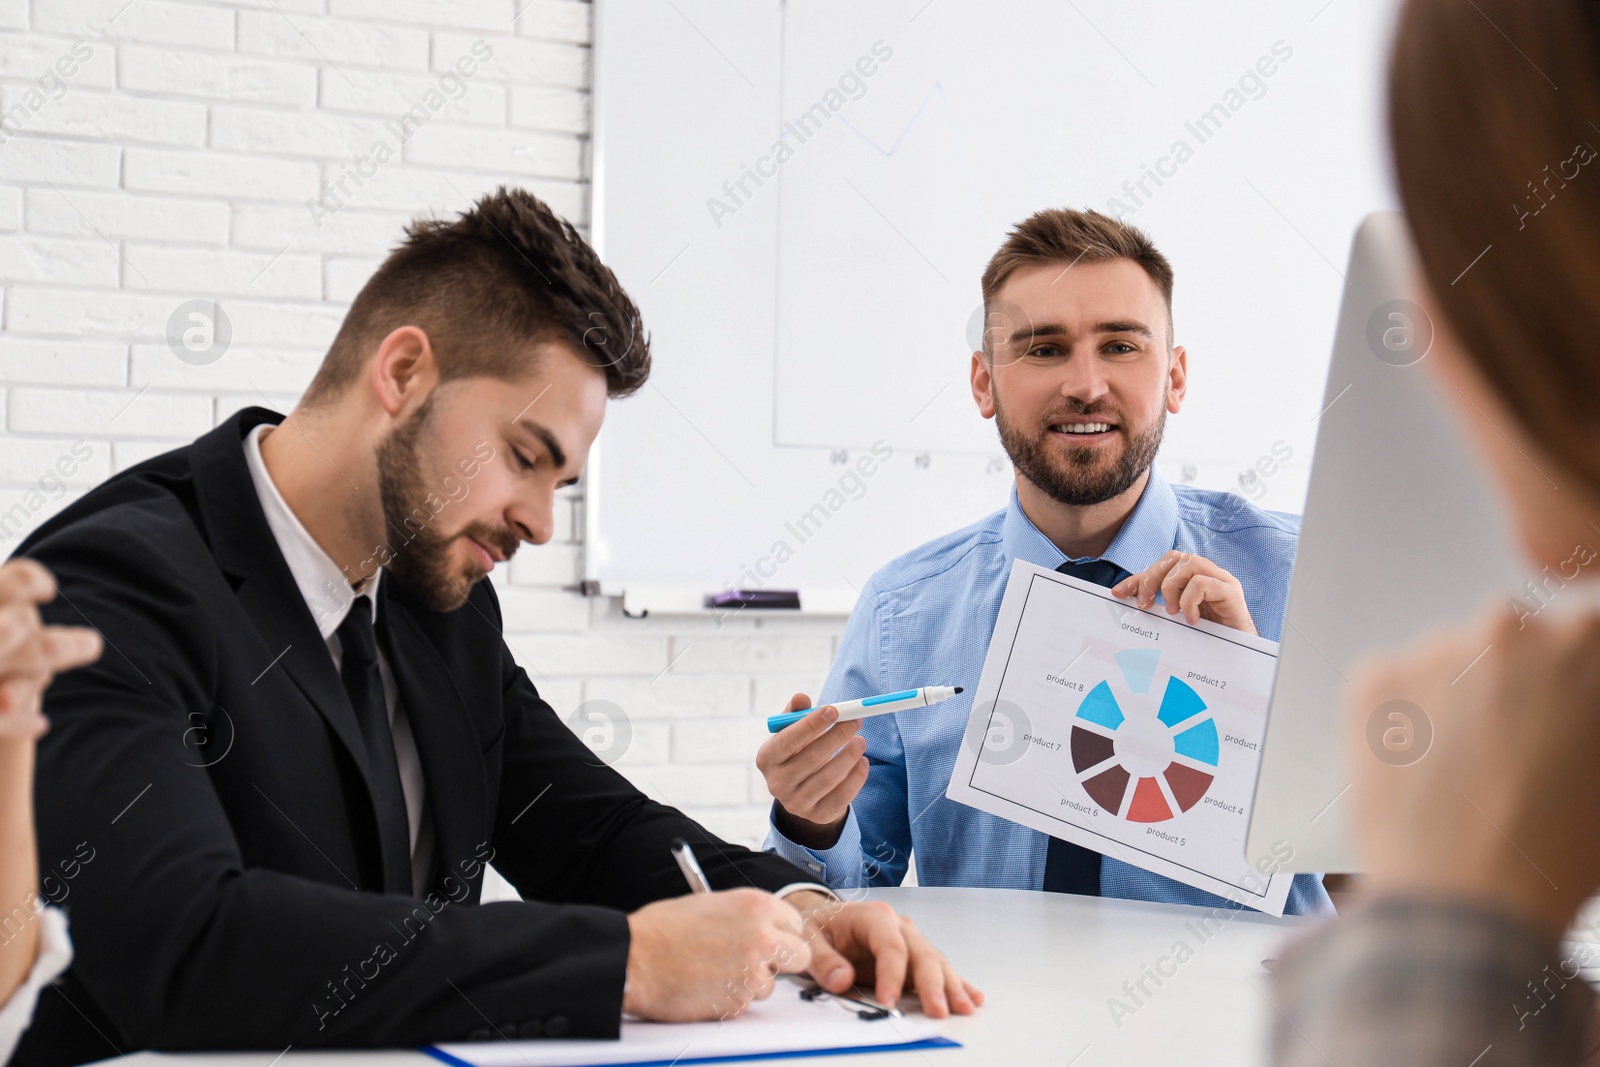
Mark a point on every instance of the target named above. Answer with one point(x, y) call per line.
point(1049, 965)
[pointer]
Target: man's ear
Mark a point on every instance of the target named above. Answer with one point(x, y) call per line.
point(983, 384)
point(1177, 379)
point(404, 370)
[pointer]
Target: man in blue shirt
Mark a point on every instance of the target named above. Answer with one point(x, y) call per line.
point(1079, 372)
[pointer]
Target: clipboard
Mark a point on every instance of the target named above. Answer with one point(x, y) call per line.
point(784, 1026)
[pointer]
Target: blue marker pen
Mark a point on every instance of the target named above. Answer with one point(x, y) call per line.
point(904, 700)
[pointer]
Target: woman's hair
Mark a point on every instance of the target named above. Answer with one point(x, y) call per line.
point(1493, 113)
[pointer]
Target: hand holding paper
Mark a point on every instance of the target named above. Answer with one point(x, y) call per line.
point(1193, 585)
point(1127, 731)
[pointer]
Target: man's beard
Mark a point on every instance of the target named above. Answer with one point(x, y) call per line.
point(1087, 477)
point(419, 553)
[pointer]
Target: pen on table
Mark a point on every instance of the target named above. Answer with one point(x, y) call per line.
point(698, 884)
point(904, 700)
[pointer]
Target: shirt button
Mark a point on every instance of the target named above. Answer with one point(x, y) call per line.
point(531, 1028)
point(555, 1026)
point(816, 868)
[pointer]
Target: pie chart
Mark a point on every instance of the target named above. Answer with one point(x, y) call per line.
point(1141, 757)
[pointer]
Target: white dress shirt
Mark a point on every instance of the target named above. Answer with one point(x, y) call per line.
point(50, 959)
point(329, 595)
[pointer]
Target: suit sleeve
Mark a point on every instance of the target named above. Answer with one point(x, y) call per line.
point(570, 828)
point(185, 946)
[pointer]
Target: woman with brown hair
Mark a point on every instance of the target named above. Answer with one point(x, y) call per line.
point(1481, 853)
point(33, 938)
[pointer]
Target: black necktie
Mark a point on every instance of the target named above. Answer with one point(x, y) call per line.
point(359, 668)
point(1070, 868)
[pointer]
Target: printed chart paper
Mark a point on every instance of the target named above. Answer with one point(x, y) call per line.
point(1129, 732)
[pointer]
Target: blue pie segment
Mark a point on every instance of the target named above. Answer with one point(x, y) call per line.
point(1199, 743)
point(1100, 707)
point(1179, 702)
point(1139, 667)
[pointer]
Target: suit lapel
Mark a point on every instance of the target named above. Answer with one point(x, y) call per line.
point(452, 763)
point(245, 549)
point(290, 635)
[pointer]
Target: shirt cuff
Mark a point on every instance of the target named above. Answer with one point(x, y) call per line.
point(52, 957)
point(832, 865)
point(797, 887)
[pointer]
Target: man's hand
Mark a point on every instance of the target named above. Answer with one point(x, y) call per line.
point(708, 955)
point(814, 772)
point(1193, 585)
point(1474, 758)
point(31, 654)
point(867, 945)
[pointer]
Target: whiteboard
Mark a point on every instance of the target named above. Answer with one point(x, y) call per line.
point(801, 197)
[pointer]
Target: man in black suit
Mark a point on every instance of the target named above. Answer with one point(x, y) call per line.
point(306, 736)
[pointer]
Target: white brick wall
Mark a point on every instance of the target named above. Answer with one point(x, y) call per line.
point(175, 161)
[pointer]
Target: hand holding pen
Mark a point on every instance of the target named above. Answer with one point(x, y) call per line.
point(815, 763)
point(708, 955)
point(809, 989)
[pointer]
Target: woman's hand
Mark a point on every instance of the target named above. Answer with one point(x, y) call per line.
point(1477, 766)
point(31, 653)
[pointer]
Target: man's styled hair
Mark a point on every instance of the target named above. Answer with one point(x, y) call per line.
point(486, 288)
point(1068, 237)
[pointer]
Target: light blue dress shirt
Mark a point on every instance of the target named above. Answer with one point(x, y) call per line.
point(926, 619)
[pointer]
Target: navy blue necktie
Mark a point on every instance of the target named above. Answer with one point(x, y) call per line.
point(358, 668)
point(1070, 868)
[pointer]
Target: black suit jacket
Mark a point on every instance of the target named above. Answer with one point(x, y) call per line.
point(210, 767)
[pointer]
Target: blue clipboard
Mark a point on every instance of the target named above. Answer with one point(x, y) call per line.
point(907, 1046)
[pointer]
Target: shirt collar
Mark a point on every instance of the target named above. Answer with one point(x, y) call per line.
point(1150, 530)
point(321, 583)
